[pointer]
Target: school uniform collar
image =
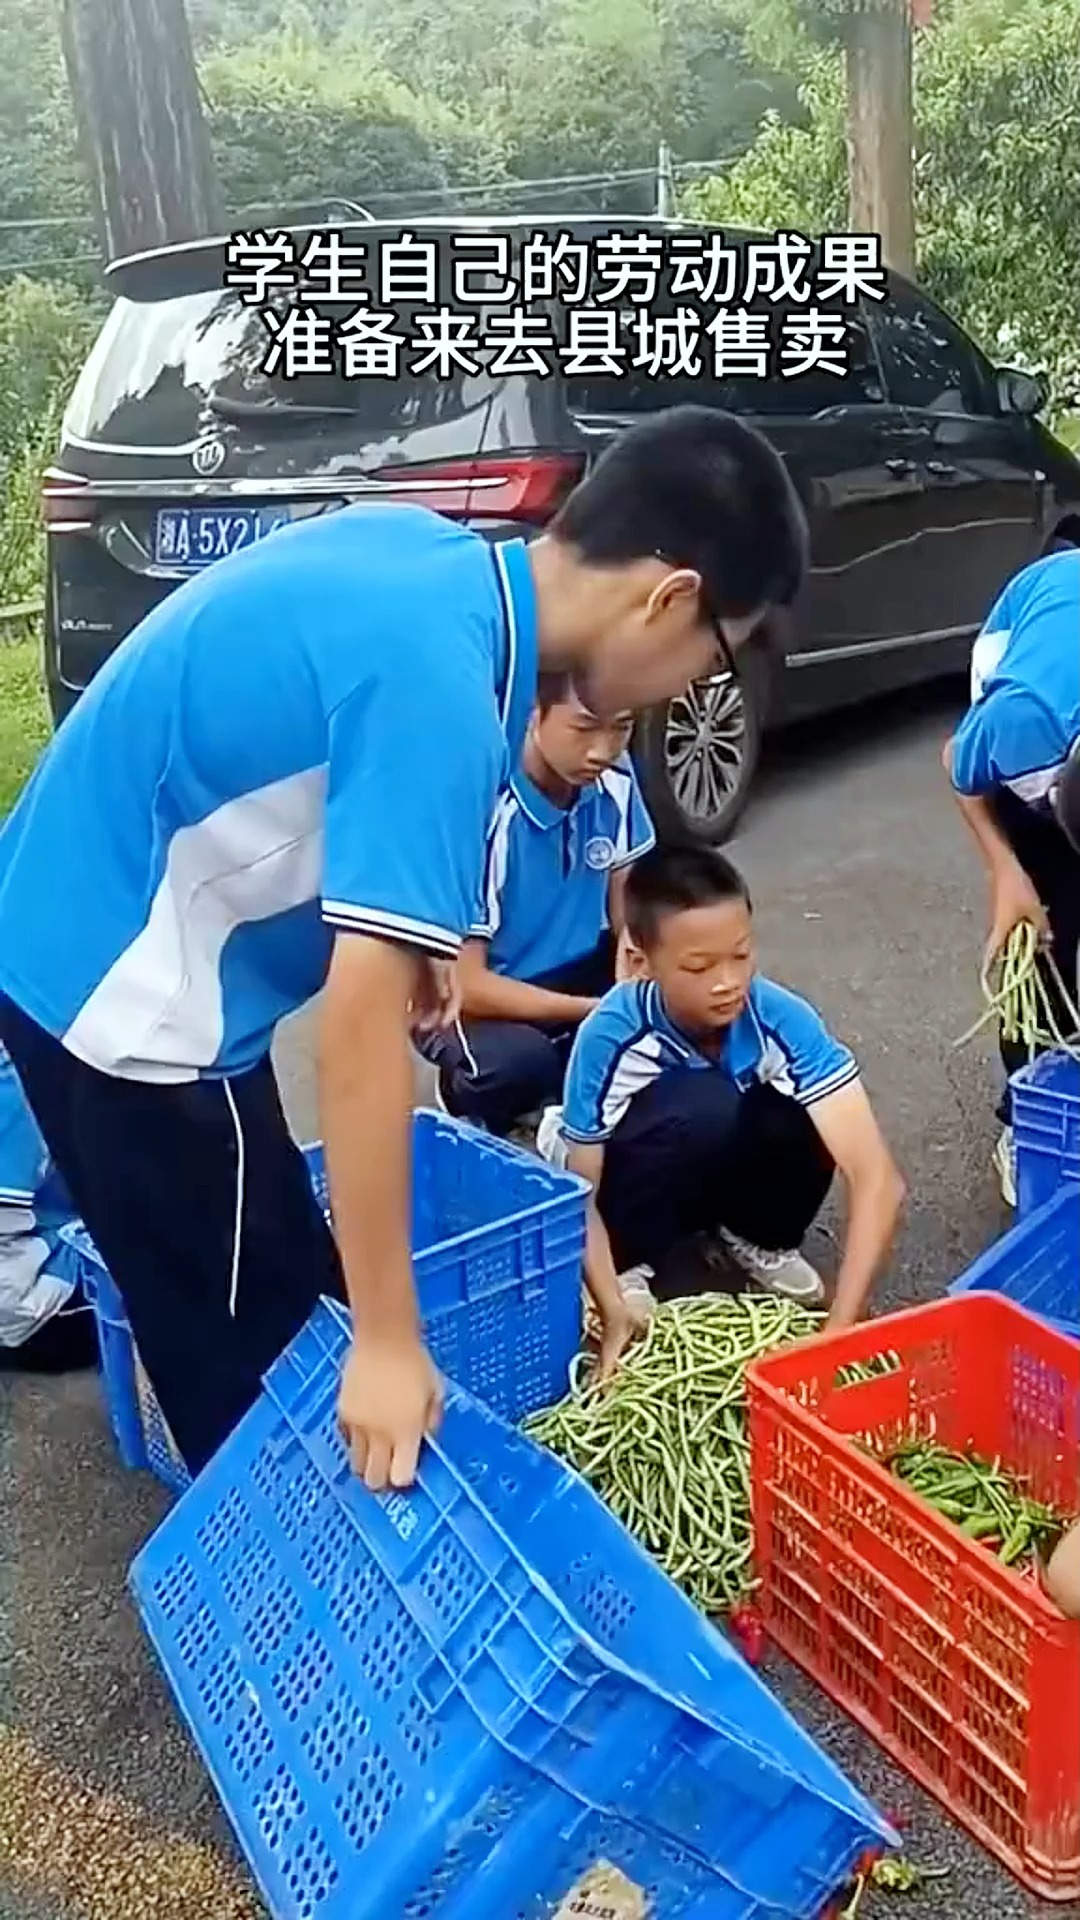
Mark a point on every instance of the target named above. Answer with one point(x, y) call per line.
point(658, 1016)
point(517, 683)
point(538, 806)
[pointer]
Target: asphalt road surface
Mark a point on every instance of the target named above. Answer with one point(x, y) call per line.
point(868, 899)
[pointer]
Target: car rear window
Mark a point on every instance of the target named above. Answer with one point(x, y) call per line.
point(161, 371)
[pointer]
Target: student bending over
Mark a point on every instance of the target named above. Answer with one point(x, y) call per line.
point(702, 1097)
point(543, 950)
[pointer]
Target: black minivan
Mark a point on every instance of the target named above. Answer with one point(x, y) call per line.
point(926, 474)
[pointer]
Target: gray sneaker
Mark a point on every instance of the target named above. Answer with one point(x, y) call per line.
point(788, 1273)
point(1003, 1161)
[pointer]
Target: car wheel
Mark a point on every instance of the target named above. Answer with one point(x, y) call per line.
point(697, 756)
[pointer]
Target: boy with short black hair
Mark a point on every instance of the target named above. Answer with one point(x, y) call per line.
point(703, 1097)
point(542, 953)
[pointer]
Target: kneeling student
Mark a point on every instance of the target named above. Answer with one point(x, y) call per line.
point(703, 1097)
point(44, 1328)
point(542, 952)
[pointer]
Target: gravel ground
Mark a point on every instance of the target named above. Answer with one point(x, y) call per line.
point(868, 900)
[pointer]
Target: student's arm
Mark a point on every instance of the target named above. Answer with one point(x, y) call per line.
point(390, 1392)
point(1013, 898)
point(875, 1194)
point(1063, 1573)
point(617, 901)
point(403, 861)
point(494, 996)
point(585, 1129)
point(620, 1320)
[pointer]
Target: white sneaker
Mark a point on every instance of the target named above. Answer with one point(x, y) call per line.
point(788, 1273)
point(550, 1144)
point(1003, 1161)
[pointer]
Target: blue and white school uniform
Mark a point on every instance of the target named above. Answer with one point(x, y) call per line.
point(544, 916)
point(304, 742)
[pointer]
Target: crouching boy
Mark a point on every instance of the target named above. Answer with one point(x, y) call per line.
point(565, 832)
point(701, 1097)
point(44, 1326)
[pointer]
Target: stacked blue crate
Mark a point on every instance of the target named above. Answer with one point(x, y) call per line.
point(1037, 1263)
point(1046, 1127)
point(498, 1241)
point(453, 1702)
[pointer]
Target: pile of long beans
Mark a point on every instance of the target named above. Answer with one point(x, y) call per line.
point(987, 1503)
point(664, 1442)
point(1022, 1003)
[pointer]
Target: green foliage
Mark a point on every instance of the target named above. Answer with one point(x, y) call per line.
point(292, 121)
point(24, 724)
point(39, 170)
point(44, 335)
point(997, 174)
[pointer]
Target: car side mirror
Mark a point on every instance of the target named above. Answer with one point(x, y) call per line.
point(1018, 392)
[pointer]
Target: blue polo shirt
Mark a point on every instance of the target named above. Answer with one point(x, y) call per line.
point(1025, 711)
point(778, 1040)
point(309, 737)
point(37, 1271)
point(545, 898)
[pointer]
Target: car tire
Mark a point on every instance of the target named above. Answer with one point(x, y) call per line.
point(697, 756)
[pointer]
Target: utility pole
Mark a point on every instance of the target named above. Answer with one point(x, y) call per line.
point(665, 183)
point(881, 134)
point(138, 109)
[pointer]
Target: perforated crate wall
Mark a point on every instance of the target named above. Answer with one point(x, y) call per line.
point(486, 1673)
point(958, 1665)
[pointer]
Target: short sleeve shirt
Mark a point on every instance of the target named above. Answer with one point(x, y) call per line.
point(310, 736)
point(1024, 715)
point(546, 882)
point(779, 1040)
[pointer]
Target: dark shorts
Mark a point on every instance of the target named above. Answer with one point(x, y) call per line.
point(201, 1207)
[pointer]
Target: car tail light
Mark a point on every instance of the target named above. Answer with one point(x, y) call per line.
point(513, 487)
point(66, 507)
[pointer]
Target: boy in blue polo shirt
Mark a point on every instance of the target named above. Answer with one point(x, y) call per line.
point(702, 1097)
point(279, 786)
point(542, 952)
point(1007, 761)
point(44, 1327)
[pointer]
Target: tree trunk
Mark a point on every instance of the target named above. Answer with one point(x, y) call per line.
point(139, 114)
point(881, 130)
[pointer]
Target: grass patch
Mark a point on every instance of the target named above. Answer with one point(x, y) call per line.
point(1067, 429)
point(24, 715)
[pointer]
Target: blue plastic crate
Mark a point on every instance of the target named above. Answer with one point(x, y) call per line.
point(1046, 1127)
point(498, 1242)
point(452, 1702)
point(1037, 1263)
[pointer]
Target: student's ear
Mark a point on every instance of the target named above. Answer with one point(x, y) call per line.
point(629, 960)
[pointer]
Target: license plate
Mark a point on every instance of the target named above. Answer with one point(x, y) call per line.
point(189, 538)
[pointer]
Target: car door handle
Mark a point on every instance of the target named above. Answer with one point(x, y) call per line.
point(900, 469)
point(941, 469)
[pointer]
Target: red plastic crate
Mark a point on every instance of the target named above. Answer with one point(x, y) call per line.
point(963, 1669)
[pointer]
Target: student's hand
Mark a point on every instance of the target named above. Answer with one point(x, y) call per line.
point(436, 1002)
point(390, 1399)
point(1013, 899)
point(620, 1326)
point(839, 1319)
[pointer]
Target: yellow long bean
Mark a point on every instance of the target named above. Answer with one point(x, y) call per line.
point(1022, 1002)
